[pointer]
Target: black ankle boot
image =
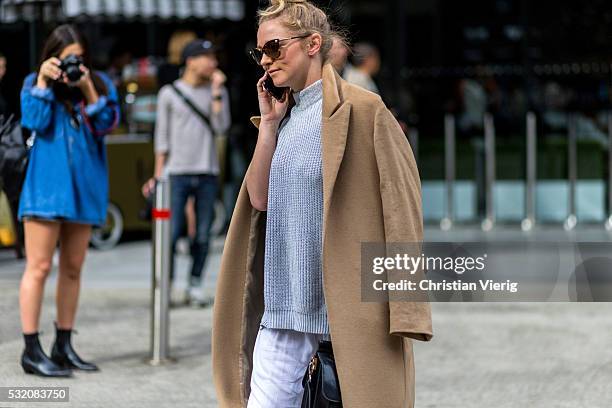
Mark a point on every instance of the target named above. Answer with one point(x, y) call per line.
point(35, 361)
point(64, 355)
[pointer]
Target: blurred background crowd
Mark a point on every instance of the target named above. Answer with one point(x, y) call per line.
point(427, 59)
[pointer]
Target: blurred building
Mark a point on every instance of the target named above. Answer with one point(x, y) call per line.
point(507, 58)
point(439, 57)
point(129, 39)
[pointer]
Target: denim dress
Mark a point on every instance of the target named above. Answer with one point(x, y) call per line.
point(67, 175)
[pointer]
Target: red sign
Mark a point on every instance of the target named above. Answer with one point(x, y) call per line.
point(161, 214)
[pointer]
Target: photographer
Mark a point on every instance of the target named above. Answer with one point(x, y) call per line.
point(69, 108)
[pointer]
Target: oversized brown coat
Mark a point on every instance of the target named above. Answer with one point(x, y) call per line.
point(371, 193)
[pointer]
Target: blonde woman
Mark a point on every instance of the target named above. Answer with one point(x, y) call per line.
point(331, 169)
point(170, 71)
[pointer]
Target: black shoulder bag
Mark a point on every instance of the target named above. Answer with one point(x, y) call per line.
point(321, 385)
point(13, 157)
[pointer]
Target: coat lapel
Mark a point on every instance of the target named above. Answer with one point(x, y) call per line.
point(336, 116)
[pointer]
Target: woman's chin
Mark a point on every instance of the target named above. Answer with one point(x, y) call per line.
point(279, 80)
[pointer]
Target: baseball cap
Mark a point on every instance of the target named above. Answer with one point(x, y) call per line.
point(197, 47)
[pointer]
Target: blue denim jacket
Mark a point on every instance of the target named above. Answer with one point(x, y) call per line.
point(67, 176)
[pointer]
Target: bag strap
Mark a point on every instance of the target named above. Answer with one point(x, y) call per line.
point(6, 125)
point(193, 107)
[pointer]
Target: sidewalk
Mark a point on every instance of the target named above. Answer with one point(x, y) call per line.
point(483, 355)
point(113, 331)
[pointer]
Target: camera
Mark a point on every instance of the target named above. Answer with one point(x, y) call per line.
point(71, 66)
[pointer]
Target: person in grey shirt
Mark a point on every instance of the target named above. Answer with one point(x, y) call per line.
point(185, 149)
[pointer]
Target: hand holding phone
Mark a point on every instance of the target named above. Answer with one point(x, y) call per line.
point(272, 107)
point(277, 93)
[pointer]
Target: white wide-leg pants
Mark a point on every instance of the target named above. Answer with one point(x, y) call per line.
point(280, 359)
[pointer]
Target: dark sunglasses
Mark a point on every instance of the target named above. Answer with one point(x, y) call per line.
point(272, 49)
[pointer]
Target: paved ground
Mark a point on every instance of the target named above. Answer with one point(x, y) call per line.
point(482, 355)
point(113, 326)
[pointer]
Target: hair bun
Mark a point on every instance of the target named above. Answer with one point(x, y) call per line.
point(282, 3)
point(277, 6)
point(303, 17)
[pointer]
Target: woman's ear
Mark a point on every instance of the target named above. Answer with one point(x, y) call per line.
point(314, 44)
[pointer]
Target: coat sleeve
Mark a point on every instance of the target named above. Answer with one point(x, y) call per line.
point(105, 112)
point(36, 105)
point(400, 191)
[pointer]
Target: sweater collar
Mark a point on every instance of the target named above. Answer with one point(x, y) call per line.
point(309, 95)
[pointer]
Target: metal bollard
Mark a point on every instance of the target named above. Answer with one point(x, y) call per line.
point(530, 186)
point(609, 220)
point(160, 288)
point(489, 128)
point(571, 220)
point(449, 169)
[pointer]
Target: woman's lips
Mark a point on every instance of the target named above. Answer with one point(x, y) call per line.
point(273, 71)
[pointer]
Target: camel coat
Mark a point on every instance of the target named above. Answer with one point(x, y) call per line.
point(371, 193)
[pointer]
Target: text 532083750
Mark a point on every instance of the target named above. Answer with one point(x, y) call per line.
point(34, 394)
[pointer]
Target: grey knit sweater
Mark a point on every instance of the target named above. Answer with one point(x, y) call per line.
point(293, 278)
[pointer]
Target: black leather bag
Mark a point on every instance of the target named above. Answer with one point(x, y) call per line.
point(13, 158)
point(321, 385)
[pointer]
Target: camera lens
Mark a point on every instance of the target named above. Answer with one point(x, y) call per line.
point(71, 66)
point(73, 73)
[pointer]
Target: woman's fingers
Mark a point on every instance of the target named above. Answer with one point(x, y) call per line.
point(52, 73)
point(86, 74)
point(264, 96)
point(281, 106)
point(260, 83)
point(53, 64)
point(51, 69)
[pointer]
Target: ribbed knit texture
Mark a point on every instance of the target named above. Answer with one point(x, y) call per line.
point(293, 276)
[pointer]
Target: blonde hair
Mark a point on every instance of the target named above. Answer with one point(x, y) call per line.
point(303, 17)
point(178, 41)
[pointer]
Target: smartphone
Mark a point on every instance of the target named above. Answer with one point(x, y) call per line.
point(277, 93)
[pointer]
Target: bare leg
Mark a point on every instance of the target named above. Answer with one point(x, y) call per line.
point(190, 214)
point(40, 241)
point(74, 240)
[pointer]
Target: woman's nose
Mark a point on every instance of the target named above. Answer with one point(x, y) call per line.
point(265, 60)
